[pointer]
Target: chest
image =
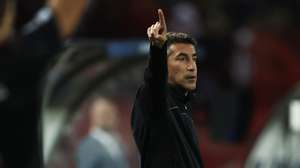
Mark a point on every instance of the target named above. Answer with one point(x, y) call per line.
point(182, 113)
point(184, 122)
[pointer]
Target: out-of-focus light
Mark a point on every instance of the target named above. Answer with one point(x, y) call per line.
point(4, 92)
point(119, 49)
point(294, 115)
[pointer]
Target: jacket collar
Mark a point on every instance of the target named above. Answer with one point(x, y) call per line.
point(180, 94)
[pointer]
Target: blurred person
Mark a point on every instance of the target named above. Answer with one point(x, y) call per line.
point(241, 75)
point(189, 22)
point(277, 144)
point(162, 122)
point(102, 147)
point(24, 56)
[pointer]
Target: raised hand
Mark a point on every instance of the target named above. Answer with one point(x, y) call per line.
point(157, 33)
point(68, 14)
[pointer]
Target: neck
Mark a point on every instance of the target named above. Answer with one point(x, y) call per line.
point(179, 93)
point(107, 129)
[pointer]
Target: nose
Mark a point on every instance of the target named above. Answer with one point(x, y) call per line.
point(191, 66)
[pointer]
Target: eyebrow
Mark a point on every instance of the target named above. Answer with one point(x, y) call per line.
point(184, 54)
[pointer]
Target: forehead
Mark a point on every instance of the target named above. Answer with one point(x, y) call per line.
point(181, 47)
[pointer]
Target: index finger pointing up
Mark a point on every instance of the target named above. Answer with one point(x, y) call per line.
point(162, 20)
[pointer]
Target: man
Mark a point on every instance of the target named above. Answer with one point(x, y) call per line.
point(101, 148)
point(161, 119)
point(24, 57)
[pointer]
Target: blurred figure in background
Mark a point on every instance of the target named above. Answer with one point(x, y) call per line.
point(190, 22)
point(24, 56)
point(102, 147)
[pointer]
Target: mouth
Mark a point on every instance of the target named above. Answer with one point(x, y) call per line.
point(191, 77)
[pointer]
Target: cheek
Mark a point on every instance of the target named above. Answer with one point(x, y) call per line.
point(172, 70)
point(176, 73)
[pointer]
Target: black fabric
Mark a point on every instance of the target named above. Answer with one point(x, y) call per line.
point(22, 64)
point(162, 122)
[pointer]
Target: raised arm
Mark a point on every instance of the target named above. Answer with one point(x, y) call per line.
point(67, 19)
point(156, 71)
point(153, 94)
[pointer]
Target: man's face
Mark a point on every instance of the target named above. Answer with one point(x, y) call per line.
point(182, 68)
point(103, 114)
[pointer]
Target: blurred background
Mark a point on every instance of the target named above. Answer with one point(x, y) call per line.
point(56, 55)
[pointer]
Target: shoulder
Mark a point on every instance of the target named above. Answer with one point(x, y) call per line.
point(142, 92)
point(88, 144)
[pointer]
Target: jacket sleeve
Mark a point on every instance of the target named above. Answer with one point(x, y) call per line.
point(152, 95)
point(39, 38)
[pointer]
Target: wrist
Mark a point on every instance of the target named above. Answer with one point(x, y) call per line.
point(159, 44)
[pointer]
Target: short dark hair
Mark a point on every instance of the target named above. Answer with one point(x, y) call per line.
point(179, 37)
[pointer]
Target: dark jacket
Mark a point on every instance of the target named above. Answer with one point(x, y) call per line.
point(161, 120)
point(22, 63)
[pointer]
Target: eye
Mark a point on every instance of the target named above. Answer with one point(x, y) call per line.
point(181, 58)
point(195, 59)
